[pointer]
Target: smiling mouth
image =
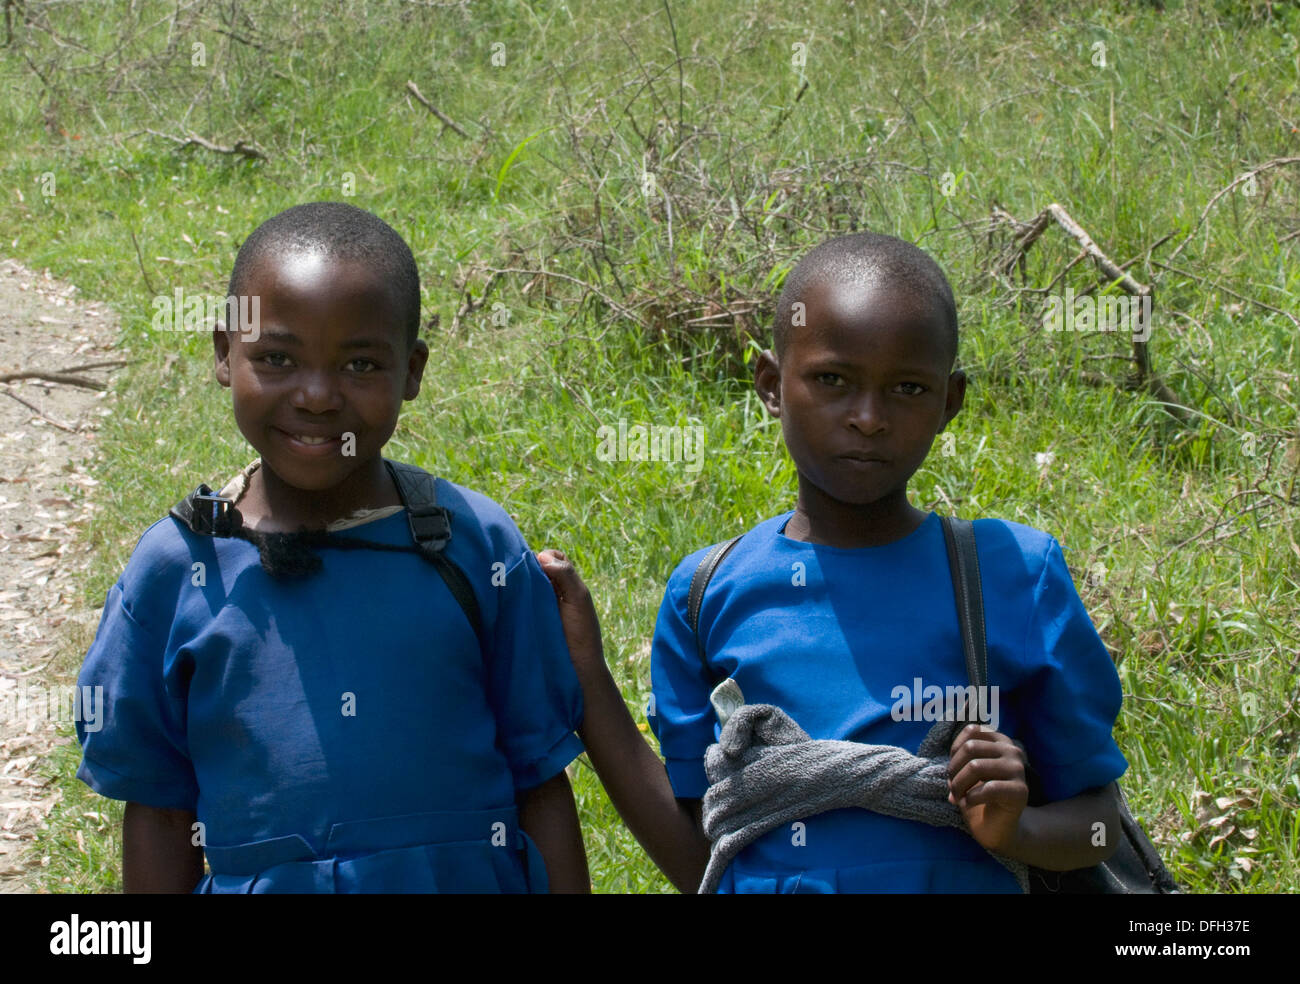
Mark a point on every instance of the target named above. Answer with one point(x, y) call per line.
point(309, 442)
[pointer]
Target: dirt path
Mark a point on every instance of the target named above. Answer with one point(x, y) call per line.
point(44, 488)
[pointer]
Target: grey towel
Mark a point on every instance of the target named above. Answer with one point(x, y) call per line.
point(765, 772)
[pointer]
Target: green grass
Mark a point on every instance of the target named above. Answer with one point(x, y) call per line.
point(1194, 524)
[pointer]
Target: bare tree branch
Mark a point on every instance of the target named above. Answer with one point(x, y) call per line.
point(1241, 179)
point(1015, 256)
point(447, 121)
point(242, 148)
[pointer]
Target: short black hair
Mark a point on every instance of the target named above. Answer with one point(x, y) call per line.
point(345, 232)
point(866, 257)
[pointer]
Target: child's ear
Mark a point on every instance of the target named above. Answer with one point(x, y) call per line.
point(956, 397)
point(221, 352)
point(767, 381)
point(415, 364)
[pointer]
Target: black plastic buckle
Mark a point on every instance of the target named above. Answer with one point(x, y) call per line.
point(431, 525)
point(214, 515)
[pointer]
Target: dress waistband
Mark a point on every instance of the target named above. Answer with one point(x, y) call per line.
point(498, 826)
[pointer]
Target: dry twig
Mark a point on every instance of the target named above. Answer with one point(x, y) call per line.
point(140, 260)
point(1241, 179)
point(472, 304)
point(447, 121)
point(1115, 274)
point(242, 148)
point(52, 377)
point(37, 410)
point(625, 312)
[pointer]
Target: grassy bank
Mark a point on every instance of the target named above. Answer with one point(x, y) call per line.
point(647, 174)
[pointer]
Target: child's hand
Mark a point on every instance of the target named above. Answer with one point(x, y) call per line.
point(637, 783)
point(986, 780)
point(577, 612)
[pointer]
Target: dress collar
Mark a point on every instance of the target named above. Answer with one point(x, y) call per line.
point(237, 486)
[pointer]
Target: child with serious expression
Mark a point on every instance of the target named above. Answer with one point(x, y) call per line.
point(861, 378)
point(861, 391)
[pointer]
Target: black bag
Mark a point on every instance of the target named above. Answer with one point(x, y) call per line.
point(208, 514)
point(1135, 867)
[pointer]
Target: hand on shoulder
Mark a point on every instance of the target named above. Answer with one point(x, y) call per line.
point(577, 612)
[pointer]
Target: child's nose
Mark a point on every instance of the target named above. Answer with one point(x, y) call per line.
point(317, 391)
point(867, 413)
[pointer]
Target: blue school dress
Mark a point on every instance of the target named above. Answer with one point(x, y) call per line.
point(342, 732)
point(845, 641)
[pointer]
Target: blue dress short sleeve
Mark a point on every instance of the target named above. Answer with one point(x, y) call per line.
point(343, 732)
point(532, 686)
point(1070, 694)
point(680, 714)
point(137, 750)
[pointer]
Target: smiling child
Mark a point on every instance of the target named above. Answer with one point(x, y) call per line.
point(306, 701)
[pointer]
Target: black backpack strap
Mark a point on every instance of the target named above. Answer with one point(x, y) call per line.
point(699, 581)
point(431, 530)
point(1136, 865)
point(964, 565)
point(208, 514)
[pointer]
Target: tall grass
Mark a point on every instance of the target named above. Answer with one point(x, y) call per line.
point(655, 181)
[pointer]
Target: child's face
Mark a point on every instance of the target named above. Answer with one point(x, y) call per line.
point(330, 360)
point(863, 388)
